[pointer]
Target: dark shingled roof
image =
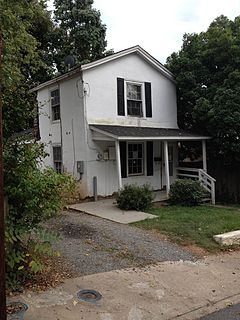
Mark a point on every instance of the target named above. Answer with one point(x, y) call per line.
point(122, 131)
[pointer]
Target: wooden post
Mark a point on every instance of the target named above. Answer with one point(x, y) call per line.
point(118, 161)
point(204, 155)
point(2, 227)
point(166, 161)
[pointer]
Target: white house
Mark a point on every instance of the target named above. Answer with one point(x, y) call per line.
point(114, 121)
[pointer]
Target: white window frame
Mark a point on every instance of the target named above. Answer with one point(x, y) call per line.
point(141, 84)
point(143, 159)
point(55, 105)
point(57, 161)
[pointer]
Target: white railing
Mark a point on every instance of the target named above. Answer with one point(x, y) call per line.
point(205, 179)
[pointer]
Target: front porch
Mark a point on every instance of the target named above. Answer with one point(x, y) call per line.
point(153, 155)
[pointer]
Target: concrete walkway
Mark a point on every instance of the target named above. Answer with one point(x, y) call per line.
point(107, 209)
point(170, 290)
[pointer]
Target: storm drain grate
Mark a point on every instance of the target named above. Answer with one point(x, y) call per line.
point(89, 295)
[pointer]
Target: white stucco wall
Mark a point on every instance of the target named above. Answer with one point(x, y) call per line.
point(70, 132)
point(100, 84)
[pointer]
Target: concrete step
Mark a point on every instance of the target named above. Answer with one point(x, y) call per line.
point(228, 238)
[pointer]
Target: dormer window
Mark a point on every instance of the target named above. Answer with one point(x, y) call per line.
point(134, 100)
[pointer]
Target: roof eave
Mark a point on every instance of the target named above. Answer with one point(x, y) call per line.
point(143, 138)
point(56, 80)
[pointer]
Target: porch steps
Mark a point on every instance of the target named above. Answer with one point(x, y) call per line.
point(205, 179)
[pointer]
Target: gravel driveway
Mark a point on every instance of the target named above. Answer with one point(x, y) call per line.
point(92, 245)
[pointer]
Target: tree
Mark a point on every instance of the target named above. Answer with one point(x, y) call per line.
point(79, 32)
point(24, 60)
point(34, 195)
point(207, 74)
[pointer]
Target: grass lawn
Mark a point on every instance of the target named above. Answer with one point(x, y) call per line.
point(193, 225)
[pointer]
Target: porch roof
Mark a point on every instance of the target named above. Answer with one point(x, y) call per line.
point(144, 133)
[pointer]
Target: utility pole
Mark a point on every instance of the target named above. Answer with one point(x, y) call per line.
point(2, 232)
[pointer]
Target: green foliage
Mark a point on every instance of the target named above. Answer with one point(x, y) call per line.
point(25, 60)
point(133, 197)
point(34, 195)
point(79, 32)
point(207, 74)
point(186, 192)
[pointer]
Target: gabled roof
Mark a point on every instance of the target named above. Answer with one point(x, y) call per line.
point(136, 49)
point(145, 133)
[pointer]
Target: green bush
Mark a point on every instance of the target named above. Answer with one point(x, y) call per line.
point(186, 192)
point(34, 195)
point(133, 197)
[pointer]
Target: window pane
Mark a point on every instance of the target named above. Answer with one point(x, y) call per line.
point(55, 103)
point(57, 158)
point(55, 97)
point(58, 167)
point(134, 108)
point(57, 154)
point(56, 113)
point(134, 91)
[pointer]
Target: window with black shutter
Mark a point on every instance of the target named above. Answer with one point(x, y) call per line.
point(134, 100)
point(135, 159)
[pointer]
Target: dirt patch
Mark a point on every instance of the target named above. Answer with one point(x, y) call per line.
point(56, 270)
point(200, 252)
point(160, 204)
point(76, 231)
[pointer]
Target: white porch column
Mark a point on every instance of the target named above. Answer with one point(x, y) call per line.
point(204, 155)
point(166, 167)
point(118, 162)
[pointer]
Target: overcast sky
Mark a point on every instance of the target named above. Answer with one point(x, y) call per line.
point(158, 25)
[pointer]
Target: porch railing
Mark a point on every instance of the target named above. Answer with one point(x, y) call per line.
point(205, 179)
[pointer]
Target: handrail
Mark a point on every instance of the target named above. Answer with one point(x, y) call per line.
point(205, 179)
point(187, 169)
point(207, 175)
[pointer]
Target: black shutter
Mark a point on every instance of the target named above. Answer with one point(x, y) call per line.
point(148, 99)
point(149, 158)
point(123, 157)
point(120, 97)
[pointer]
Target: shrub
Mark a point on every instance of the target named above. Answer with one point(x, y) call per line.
point(34, 195)
point(133, 197)
point(186, 192)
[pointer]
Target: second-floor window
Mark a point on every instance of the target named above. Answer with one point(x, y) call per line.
point(55, 104)
point(134, 100)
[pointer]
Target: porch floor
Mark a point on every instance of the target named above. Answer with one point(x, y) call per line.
point(107, 209)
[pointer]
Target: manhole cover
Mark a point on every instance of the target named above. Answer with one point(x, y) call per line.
point(89, 295)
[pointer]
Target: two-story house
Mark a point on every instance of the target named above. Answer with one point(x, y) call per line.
point(114, 121)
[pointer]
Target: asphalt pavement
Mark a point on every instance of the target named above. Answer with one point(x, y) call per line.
point(229, 313)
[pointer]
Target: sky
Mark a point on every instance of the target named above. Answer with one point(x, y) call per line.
point(158, 25)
